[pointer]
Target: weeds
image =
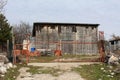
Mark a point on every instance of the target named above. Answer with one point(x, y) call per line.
point(97, 72)
point(41, 70)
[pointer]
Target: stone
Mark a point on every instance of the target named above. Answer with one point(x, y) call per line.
point(14, 66)
point(113, 60)
point(117, 71)
point(3, 70)
point(4, 59)
point(102, 68)
point(8, 65)
point(112, 73)
point(2, 75)
point(1, 63)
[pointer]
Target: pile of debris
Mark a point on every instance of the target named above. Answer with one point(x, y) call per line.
point(113, 59)
point(5, 67)
point(5, 64)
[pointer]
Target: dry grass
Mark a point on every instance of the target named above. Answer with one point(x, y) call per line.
point(65, 57)
point(97, 72)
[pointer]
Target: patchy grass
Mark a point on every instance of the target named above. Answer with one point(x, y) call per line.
point(79, 56)
point(67, 56)
point(12, 73)
point(97, 72)
point(41, 70)
point(43, 59)
point(83, 57)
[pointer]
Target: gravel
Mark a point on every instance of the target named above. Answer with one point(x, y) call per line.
point(67, 75)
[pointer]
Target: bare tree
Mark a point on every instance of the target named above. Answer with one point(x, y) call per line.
point(21, 32)
point(2, 4)
point(114, 37)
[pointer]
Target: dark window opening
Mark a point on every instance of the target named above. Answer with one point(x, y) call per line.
point(74, 29)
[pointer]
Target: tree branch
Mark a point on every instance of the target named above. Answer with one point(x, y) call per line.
point(2, 4)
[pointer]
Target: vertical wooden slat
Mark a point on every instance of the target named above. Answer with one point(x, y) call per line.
point(75, 34)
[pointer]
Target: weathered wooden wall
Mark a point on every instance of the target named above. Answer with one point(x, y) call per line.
point(72, 39)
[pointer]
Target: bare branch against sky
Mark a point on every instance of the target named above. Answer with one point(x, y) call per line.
point(2, 4)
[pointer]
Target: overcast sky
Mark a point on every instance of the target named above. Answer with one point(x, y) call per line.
point(103, 12)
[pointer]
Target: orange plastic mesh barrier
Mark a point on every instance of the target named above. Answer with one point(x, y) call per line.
point(58, 53)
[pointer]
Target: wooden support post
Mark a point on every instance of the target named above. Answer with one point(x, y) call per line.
point(8, 53)
point(102, 51)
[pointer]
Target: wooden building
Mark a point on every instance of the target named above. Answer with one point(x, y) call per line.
point(72, 38)
point(114, 45)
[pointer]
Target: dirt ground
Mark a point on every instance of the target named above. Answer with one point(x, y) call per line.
point(67, 75)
